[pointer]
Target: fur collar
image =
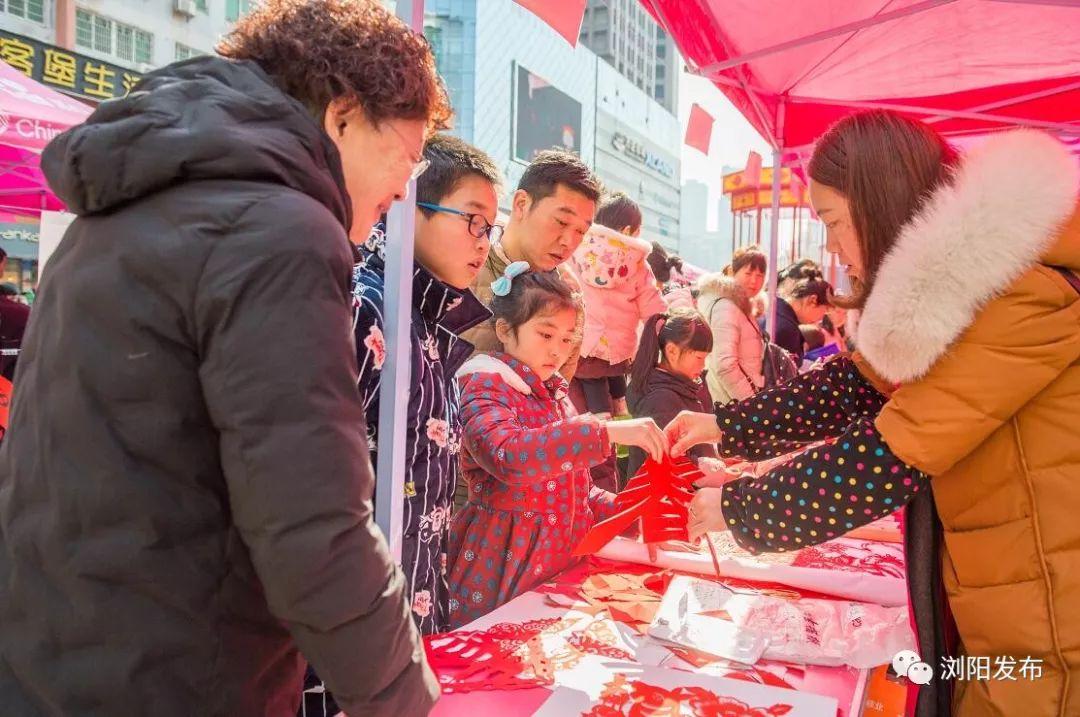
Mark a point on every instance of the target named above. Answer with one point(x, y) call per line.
point(484, 363)
point(713, 287)
point(970, 242)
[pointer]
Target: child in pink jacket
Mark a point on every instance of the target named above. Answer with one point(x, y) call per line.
point(620, 293)
point(526, 454)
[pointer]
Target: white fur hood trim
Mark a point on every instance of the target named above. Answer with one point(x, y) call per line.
point(967, 245)
point(483, 363)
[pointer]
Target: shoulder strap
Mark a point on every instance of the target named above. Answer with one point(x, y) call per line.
point(1073, 279)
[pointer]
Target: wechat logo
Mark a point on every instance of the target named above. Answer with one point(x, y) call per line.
point(907, 663)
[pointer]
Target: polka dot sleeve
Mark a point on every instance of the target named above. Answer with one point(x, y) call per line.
point(820, 494)
point(817, 405)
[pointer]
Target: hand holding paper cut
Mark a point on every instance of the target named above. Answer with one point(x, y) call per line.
point(659, 496)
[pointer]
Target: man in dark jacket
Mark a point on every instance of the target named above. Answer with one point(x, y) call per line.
point(185, 495)
point(13, 318)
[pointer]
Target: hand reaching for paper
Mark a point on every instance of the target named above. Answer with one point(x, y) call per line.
point(640, 432)
point(690, 429)
point(705, 513)
point(715, 473)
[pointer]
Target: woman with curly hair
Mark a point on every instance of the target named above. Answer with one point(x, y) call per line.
point(197, 506)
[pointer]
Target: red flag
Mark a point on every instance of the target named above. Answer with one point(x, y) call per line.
point(564, 16)
point(699, 129)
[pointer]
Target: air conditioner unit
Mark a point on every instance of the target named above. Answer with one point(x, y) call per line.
point(185, 8)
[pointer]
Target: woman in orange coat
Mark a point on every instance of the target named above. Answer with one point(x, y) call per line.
point(963, 404)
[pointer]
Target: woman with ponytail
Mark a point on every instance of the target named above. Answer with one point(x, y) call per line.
point(668, 373)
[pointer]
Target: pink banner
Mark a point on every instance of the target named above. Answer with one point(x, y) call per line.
point(31, 115)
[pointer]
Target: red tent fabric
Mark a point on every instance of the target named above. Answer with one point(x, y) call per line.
point(31, 115)
point(967, 66)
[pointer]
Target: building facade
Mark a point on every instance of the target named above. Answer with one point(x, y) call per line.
point(623, 34)
point(96, 50)
point(668, 67)
point(134, 36)
point(538, 92)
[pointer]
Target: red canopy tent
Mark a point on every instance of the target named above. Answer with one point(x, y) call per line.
point(30, 116)
point(968, 67)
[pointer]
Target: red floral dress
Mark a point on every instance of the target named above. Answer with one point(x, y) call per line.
point(526, 456)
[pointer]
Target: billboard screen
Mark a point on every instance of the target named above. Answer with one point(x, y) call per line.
point(545, 117)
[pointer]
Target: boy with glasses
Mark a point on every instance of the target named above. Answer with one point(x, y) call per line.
point(457, 202)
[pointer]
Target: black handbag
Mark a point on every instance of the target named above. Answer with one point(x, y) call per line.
point(777, 364)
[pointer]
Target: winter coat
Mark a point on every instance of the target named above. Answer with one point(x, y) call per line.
point(662, 397)
point(788, 335)
point(185, 496)
point(976, 366)
point(483, 336)
point(733, 368)
point(433, 434)
point(526, 456)
point(619, 290)
point(988, 354)
point(13, 319)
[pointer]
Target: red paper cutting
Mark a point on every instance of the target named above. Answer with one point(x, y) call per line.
point(658, 496)
point(470, 660)
point(632, 698)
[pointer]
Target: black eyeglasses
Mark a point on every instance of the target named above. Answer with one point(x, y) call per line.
point(479, 226)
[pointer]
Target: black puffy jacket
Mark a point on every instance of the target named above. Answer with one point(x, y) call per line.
point(185, 490)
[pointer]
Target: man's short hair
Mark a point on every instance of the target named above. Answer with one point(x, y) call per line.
point(352, 50)
point(452, 160)
point(553, 167)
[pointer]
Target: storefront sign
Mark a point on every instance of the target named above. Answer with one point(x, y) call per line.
point(636, 151)
point(64, 70)
point(17, 233)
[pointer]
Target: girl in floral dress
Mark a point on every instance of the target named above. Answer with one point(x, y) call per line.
point(525, 452)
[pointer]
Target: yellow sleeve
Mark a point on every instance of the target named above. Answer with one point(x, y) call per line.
point(1017, 346)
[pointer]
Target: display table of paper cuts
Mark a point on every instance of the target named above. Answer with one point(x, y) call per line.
point(856, 569)
point(572, 657)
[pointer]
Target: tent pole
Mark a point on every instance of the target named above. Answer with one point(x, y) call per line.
point(774, 243)
point(774, 230)
point(734, 244)
point(937, 112)
point(397, 314)
point(1015, 100)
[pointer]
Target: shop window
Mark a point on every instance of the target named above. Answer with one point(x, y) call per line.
point(98, 33)
point(183, 52)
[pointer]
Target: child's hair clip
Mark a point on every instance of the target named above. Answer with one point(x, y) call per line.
point(502, 285)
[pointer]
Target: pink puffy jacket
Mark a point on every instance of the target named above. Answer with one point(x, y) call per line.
point(620, 292)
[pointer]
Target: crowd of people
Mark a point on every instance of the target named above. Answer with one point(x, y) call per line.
point(186, 491)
